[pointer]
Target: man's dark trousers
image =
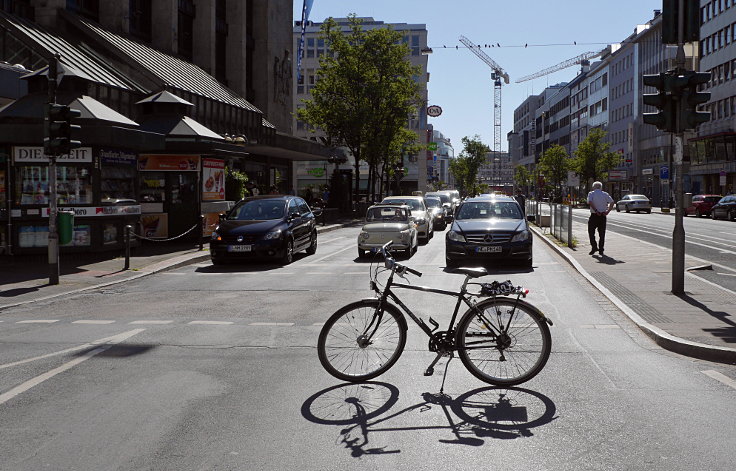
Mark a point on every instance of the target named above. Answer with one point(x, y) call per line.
point(597, 221)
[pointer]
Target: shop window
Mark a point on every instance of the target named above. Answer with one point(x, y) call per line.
point(117, 183)
point(73, 185)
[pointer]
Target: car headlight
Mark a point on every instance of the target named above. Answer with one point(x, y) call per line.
point(456, 236)
point(421, 221)
point(215, 235)
point(405, 236)
point(272, 235)
point(363, 236)
point(521, 236)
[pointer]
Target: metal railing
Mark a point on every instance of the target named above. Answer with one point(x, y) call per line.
point(557, 217)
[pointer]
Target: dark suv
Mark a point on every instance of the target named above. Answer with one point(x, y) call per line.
point(271, 227)
point(488, 229)
point(725, 208)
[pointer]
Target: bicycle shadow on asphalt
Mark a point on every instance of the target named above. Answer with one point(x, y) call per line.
point(488, 412)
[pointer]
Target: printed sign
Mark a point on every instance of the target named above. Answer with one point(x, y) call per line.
point(112, 156)
point(213, 180)
point(432, 146)
point(434, 111)
point(97, 211)
point(617, 175)
point(35, 155)
point(168, 163)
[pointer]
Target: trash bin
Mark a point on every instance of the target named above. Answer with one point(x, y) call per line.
point(65, 226)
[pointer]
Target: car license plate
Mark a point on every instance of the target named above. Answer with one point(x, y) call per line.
point(489, 249)
point(239, 248)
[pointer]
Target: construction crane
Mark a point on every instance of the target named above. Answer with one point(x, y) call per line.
point(497, 74)
point(583, 59)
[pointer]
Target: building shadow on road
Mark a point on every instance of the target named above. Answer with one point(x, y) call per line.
point(363, 411)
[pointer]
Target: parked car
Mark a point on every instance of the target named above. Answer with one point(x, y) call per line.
point(701, 205)
point(384, 223)
point(725, 208)
point(488, 229)
point(419, 212)
point(438, 212)
point(634, 203)
point(446, 199)
point(269, 226)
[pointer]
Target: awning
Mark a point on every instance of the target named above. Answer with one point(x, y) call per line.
point(290, 148)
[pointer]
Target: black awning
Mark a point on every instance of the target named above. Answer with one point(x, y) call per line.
point(290, 148)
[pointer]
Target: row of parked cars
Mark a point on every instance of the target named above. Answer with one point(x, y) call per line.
point(482, 229)
point(715, 206)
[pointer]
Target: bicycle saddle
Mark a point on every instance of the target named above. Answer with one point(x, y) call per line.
point(472, 272)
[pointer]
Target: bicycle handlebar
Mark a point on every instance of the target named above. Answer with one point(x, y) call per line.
point(399, 268)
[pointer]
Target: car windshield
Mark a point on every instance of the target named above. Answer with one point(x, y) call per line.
point(443, 197)
point(386, 214)
point(489, 210)
point(412, 203)
point(257, 210)
point(432, 202)
point(712, 199)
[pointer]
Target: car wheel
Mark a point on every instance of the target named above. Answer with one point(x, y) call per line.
point(451, 263)
point(288, 256)
point(312, 249)
point(649, 211)
point(528, 263)
point(627, 209)
point(713, 215)
point(698, 213)
point(618, 209)
point(361, 253)
point(732, 215)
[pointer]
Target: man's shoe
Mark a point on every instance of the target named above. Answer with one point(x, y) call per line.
point(592, 251)
point(600, 251)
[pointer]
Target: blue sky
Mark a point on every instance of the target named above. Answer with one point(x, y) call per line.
point(460, 82)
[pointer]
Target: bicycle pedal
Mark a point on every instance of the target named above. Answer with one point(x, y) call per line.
point(429, 371)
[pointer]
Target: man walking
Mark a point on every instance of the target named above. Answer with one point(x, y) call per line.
point(600, 204)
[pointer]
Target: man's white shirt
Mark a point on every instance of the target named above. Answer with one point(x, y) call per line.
point(600, 200)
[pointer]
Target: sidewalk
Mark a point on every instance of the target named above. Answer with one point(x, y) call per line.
point(637, 277)
point(25, 280)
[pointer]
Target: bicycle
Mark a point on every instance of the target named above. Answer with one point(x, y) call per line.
point(501, 340)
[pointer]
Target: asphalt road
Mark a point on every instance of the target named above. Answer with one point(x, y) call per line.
point(216, 368)
point(706, 241)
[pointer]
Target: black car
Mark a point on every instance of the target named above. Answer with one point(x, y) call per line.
point(488, 229)
point(725, 208)
point(270, 227)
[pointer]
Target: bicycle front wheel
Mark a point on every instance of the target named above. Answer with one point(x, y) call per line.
point(503, 342)
point(358, 343)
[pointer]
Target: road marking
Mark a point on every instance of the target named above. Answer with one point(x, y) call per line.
point(73, 349)
point(349, 247)
point(282, 324)
point(331, 240)
point(319, 323)
point(93, 322)
point(726, 274)
point(38, 321)
point(151, 322)
point(211, 323)
point(319, 273)
point(720, 377)
point(356, 273)
point(281, 273)
point(66, 366)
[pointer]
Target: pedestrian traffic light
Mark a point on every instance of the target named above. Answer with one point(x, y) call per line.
point(690, 117)
point(664, 118)
point(58, 129)
point(670, 21)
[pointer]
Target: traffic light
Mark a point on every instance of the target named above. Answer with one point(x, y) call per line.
point(670, 21)
point(664, 118)
point(690, 117)
point(58, 129)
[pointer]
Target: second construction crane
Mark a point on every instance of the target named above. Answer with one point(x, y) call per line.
point(497, 74)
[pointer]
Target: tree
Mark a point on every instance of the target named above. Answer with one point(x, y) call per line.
point(554, 164)
point(465, 167)
point(592, 159)
point(364, 94)
point(522, 177)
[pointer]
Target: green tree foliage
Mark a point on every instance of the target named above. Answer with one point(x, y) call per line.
point(554, 165)
point(592, 159)
point(364, 94)
point(522, 177)
point(465, 167)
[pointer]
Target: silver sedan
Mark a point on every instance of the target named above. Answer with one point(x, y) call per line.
point(634, 203)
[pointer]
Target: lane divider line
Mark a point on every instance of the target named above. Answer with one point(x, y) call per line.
point(150, 322)
point(92, 321)
point(284, 324)
point(38, 321)
point(211, 323)
point(720, 377)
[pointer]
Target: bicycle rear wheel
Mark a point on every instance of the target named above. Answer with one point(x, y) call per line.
point(511, 355)
point(353, 347)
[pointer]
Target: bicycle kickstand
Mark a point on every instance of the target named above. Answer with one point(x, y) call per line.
point(430, 369)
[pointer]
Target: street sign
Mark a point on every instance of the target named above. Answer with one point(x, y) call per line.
point(722, 178)
point(434, 111)
point(432, 146)
point(664, 172)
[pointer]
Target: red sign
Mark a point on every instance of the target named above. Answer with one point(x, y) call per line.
point(168, 163)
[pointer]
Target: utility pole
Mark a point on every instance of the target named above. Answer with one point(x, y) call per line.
point(53, 247)
point(678, 233)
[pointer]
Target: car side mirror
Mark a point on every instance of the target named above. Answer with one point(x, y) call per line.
point(294, 215)
point(221, 216)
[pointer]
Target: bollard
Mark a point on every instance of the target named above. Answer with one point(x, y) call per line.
point(126, 235)
point(201, 232)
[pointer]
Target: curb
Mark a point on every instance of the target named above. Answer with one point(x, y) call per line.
point(660, 337)
point(169, 264)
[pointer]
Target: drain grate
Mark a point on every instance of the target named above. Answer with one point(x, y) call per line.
point(638, 305)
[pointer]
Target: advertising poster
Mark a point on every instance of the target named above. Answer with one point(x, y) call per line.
point(210, 222)
point(213, 180)
point(155, 225)
point(168, 163)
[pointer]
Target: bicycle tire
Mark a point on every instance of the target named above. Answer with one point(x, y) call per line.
point(338, 346)
point(515, 359)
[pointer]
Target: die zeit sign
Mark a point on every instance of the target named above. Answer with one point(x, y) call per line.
point(434, 111)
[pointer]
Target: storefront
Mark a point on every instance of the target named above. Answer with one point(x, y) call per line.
point(81, 188)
